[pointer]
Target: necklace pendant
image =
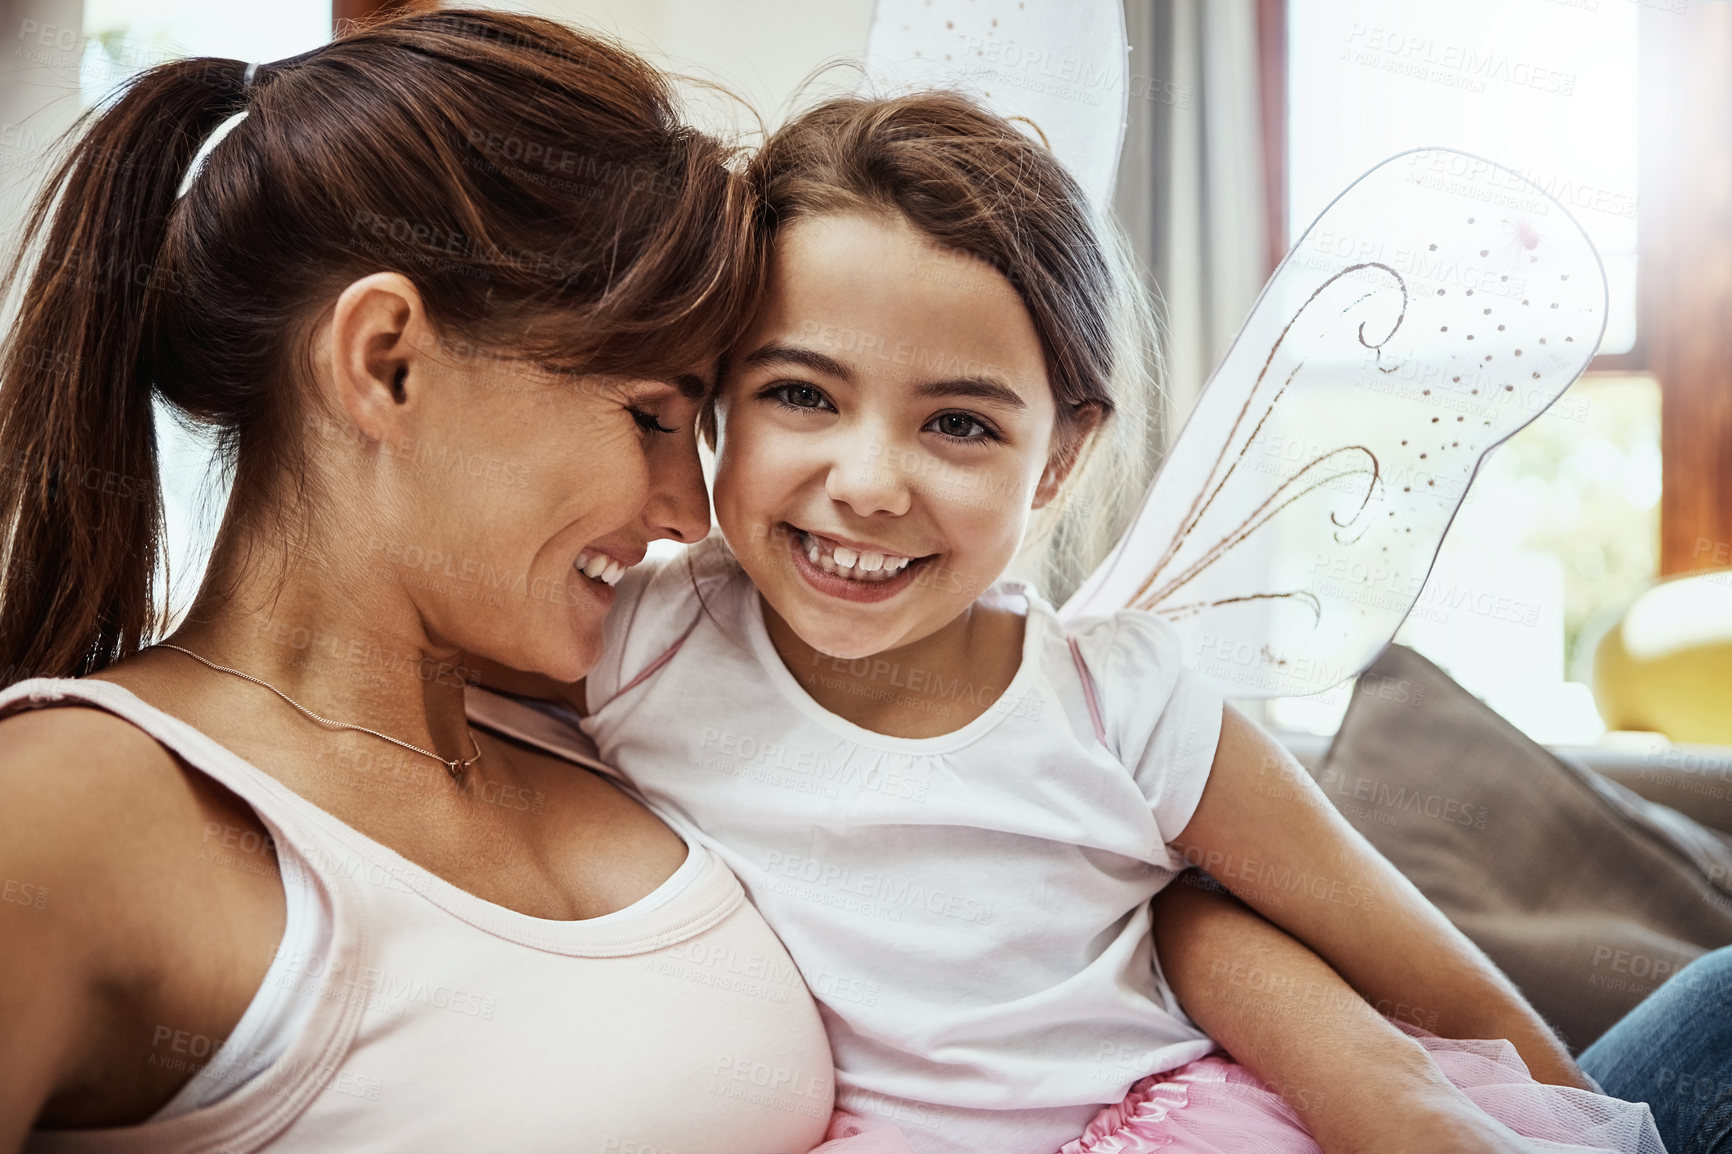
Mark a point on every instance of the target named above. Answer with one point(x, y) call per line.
point(455, 767)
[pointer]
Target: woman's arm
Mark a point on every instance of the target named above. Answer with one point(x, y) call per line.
point(1357, 1082)
point(115, 924)
point(1267, 832)
point(55, 922)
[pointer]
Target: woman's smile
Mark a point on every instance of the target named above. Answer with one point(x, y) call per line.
point(600, 568)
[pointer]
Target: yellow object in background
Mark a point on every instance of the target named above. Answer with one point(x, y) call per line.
point(1667, 665)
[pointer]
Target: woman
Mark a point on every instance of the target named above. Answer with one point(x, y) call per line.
point(440, 292)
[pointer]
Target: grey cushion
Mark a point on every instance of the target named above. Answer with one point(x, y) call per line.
point(1585, 894)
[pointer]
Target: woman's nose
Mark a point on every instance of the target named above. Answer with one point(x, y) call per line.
point(679, 504)
point(866, 478)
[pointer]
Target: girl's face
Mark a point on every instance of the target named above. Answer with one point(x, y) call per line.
point(885, 428)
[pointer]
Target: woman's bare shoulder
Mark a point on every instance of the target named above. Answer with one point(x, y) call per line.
point(75, 872)
point(112, 911)
point(69, 750)
point(80, 765)
point(106, 821)
point(86, 795)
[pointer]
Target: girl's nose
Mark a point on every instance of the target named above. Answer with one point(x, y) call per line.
point(867, 480)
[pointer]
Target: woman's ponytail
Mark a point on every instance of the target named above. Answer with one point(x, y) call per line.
point(80, 502)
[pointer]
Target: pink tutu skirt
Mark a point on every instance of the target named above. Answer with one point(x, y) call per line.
point(1216, 1106)
point(852, 1134)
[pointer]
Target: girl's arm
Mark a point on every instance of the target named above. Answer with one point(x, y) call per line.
point(1357, 1082)
point(492, 675)
point(1266, 831)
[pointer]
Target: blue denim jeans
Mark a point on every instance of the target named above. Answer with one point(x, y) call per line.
point(1674, 1052)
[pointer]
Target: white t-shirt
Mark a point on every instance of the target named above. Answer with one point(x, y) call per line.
point(970, 910)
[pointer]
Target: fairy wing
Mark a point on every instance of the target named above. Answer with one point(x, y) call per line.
point(1059, 67)
point(1432, 310)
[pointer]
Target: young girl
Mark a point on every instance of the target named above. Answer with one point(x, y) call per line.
point(954, 812)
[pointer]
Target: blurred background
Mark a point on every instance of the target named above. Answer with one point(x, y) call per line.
point(1246, 118)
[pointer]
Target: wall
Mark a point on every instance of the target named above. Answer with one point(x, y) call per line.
point(761, 49)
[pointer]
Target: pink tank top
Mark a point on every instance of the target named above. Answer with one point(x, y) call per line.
point(440, 1021)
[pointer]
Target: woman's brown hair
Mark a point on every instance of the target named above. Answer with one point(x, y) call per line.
point(974, 183)
point(535, 184)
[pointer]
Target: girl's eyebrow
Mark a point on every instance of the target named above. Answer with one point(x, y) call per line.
point(779, 352)
point(980, 388)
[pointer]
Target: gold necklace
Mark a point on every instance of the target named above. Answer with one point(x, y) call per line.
point(452, 766)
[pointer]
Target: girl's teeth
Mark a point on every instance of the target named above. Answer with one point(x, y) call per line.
point(854, 564)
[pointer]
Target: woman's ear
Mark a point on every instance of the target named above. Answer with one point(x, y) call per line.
point(377, 342)
point(1068, 445)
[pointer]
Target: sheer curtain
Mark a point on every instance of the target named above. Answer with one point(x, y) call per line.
point(1191, 200)
point(1191, 188)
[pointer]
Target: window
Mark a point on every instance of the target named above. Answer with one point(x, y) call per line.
point(124, 36)
point(1559, 532)
point(1544, 87)
point(1561, 527)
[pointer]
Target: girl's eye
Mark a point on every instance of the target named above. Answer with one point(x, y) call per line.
point(961, 427)
point(648, 422)
point(798, 396)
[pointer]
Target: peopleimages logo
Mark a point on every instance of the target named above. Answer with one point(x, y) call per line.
point(1453, 65)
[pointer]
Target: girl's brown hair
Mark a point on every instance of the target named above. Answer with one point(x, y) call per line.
point(536, 185)
point(974, 183)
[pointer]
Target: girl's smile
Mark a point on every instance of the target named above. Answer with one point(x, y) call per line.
point(853, 571)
